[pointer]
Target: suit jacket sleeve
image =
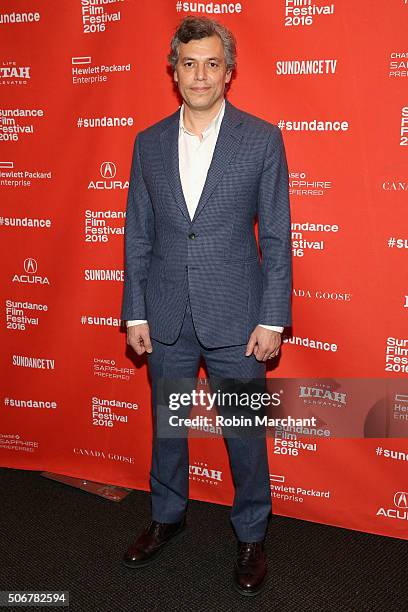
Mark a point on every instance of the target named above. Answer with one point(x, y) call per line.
point(274, 235)
point(139, 237)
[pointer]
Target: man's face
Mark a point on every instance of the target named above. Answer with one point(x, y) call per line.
point(201, 72)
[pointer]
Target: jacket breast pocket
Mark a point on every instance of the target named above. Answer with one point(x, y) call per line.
point(243, 167)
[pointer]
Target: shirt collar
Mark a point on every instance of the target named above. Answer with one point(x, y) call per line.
point(214, 123)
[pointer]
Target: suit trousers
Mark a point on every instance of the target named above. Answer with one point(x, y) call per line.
point(169, 473)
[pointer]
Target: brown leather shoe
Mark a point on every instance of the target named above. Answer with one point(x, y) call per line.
point(150, 543)
point(250, 568)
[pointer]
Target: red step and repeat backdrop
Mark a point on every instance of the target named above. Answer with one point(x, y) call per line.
point(78, 80)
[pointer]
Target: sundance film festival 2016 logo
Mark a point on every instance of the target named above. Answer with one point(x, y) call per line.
point(301, 244)
point(20, 315)
point(11, 126)
point(404, 127)
point(31, 277)
point(396, 355)
point(304, 12)
point(400, 509)
point(98, 226)
point(105, 411)
point(96, 15)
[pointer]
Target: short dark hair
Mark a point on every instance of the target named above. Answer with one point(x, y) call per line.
point(194, 28)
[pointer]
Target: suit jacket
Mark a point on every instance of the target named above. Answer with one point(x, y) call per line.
point(214, 257)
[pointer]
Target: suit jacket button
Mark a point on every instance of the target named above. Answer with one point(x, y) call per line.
point(192, 236)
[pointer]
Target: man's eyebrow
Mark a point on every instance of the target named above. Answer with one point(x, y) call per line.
point(207, 59)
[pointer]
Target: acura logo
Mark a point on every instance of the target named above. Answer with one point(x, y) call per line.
point(30, 265)
point(401, 499)
point(108, 170)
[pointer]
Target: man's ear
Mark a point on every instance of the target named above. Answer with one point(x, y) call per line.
point(175, 76)
point(228, 76)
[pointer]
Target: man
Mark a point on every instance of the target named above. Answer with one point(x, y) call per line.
point(194, 284)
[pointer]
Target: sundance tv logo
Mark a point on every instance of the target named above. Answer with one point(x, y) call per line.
point(109, 181)
point(400, 509)
point(312, 66)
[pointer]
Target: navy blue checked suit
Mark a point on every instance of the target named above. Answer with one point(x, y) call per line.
point(203, 287)
point(213, 258)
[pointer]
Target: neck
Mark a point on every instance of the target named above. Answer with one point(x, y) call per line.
point(196, 120)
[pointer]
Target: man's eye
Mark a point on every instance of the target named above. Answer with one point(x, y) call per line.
point(188, 64)
point(213, 64)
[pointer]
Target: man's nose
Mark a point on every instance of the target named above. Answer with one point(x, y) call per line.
point(201, 72)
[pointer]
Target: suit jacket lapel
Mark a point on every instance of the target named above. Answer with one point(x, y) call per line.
point(228, 141)
point(169, 147)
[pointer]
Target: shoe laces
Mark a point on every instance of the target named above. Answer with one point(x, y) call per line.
point(155, 528)
point(246, 551)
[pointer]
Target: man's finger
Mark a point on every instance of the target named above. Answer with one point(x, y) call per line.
point(139, 340)
point(251, 345)
point(262, 355)
point(138, 347)
point(147, 343)
point(143, 344)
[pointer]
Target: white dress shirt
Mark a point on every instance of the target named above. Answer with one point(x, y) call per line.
point(195, 155)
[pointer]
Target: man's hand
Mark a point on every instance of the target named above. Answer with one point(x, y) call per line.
point(263, 343)
point(138, 337)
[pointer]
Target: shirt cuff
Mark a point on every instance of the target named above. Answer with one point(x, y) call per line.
point(276, 328)
point(135, 322)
